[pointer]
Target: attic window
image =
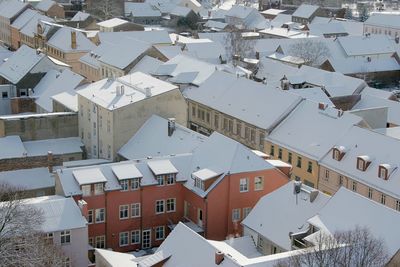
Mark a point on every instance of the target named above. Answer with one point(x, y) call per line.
point(338, 153)
point(363, 163)
point(383, 171)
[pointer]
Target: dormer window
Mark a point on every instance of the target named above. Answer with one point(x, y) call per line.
point(363, 162)
point(199, 183)
point(86, 190)
point(99, 189)
point(338, 152)
point(160, 180)
point(170, 178)
point(383, 171)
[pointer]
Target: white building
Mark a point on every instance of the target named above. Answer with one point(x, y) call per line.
point(380, 23)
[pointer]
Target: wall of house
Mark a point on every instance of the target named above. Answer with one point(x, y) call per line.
point(56, 10)
point(386, 30)
point(15, 38)
point(309, 178)
point(5, 32)
point(91, 73)
point(40, 127)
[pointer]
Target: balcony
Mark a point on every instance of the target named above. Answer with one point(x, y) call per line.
point(188, 223)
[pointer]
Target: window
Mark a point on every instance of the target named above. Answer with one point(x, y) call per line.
point(108, 126)
point(340, 180)
point(397, 205)
point(208, 117)
point(199, 183)
point(225, 124)
point(239, 129)
point(309, 167)
point(98, 189)
point(235, 215)
point(230, 126)
point(160, 232)
point(65, 237)
point(135, 184)
point(66, 262)
point(252, 135)
point(160, 180)
point(280, 153)
point(298, 162)
point(91, 241)
point(4, 94)
point(123, 212)
point(383, 199)
point(100, 241)
point(94, 128)
point(244, 185)
point(90, 216)
point(289, 158)
point(258, 183)
point(100, 215)
point(246, 212)
point(123, 239)
point(336, 154)
point(171, 203)
point(86, 190)
point(354, 186)
point(370, 192)
point(382, 172)
point(216, 121)
point(262, 137)
point(135, 237)
point(124, 185)
point(135, 210)
point(326, 174)
point(272, 151)
point(170, 179)
point(49, 237)
point(361, 164)
point(193, 111)
point(159, 206)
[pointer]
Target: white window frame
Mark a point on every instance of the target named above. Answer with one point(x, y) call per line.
point(65, 237)
point(86, 190)
point(170, 177)
point(135, 210)
point(135, 184)
point(160, 180)
point(90, 217)
point(160, 203)
point(244, 185)
point(124, 185)
point(122, 236)
point(98, 213)
point(246, 211)
point(159, 230)
point(174, 205)
point(137, 234)
point(98, 189)
point(100, 241)
point(235, 215)
point(124, 211)
point(258, 186)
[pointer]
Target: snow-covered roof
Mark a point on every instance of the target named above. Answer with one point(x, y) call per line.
point(241, 12)
point(377, 92)
point(62, 40)
point(80, 16)
point(369, 101)
point(152, 37)
point(272, 11)
point(180, 11)
point(141, 10)
point(208, 51)
point(383, 20)
point(317, 129)
point(58, 146)
point(169, 51)
point(282, 211)
point(12, 147)
point(321, 29)
point(147, 65)
point(126, 171)
point(152, 140)
point(68, 99)
point(45, 5)
point(372, 45)
point(59, 213)
point(314, 94)
point(114, 22)
point(346, 210)
point(136, 86)
point(205, 174)
point(115, 259)
point(305, 11)
point(20, 63)
point(285, 33)
point(30, 28)
point(380, 148)
point(89, 176)
point(215, 25)
point(11, 8)
point(24, 18)
point(259, 105)
point(53, 83)
point(159, 167)
point(28, 179)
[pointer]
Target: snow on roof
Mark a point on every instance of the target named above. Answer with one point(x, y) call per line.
point(29, 29)
point(372, 45)
point(211, 52)
point(114, 22)
point(186, 69)
point(281, 19)
point(321, 29)
point(152, 37)
point(141, 10)
point(34, 115)
point(282, 32)
point(278, 163)
point(61, 39)
point(28, 179)
point(45, 5)
point(305, 11)
point(392, 131)
point(314, 94)
point(89, 176)
point(152, 140)
point(68, 99)
point(58, 146)
point(281, 212)
point(180, 11)
point(205, 174)
point(369, 101)
point(11, 8)
point(377, 92)
point(317, 129)
point(159, 167)
point(137, 86)
point(11, 147)
point(383, 20)
point(239, 11)
point(116, 259)
point(126, 171)
point(20, 63)
point(59, 213)
point(147, 65)
point(84, 162)
point(381, 149)
point(215, 25)
point(55, 82)
point(80, 16)
point(169, 51)
point(259, 105)
point(272, 11)
point(24, 18)
point(357, 210)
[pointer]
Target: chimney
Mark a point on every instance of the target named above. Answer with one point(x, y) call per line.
point(83, 206)
point(171, 126)
point(340, 113)
point(50, 161)
point(396, 39)
point(297, 187)
point(118, 90)
point(148, 92)
point(313, 195)
point(257, 55)
point(322, 106)
point(219, 257)
point(122, 90)
point(73, 39)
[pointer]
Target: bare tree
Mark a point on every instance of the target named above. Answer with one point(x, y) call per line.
point(21, 241)
point(357, 247)
point(105, 9)
point(237, 46)
point(313, 52)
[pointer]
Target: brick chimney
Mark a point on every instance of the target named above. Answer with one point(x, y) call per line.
point(73, 39)
point(219, 257)
point(50, 161)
